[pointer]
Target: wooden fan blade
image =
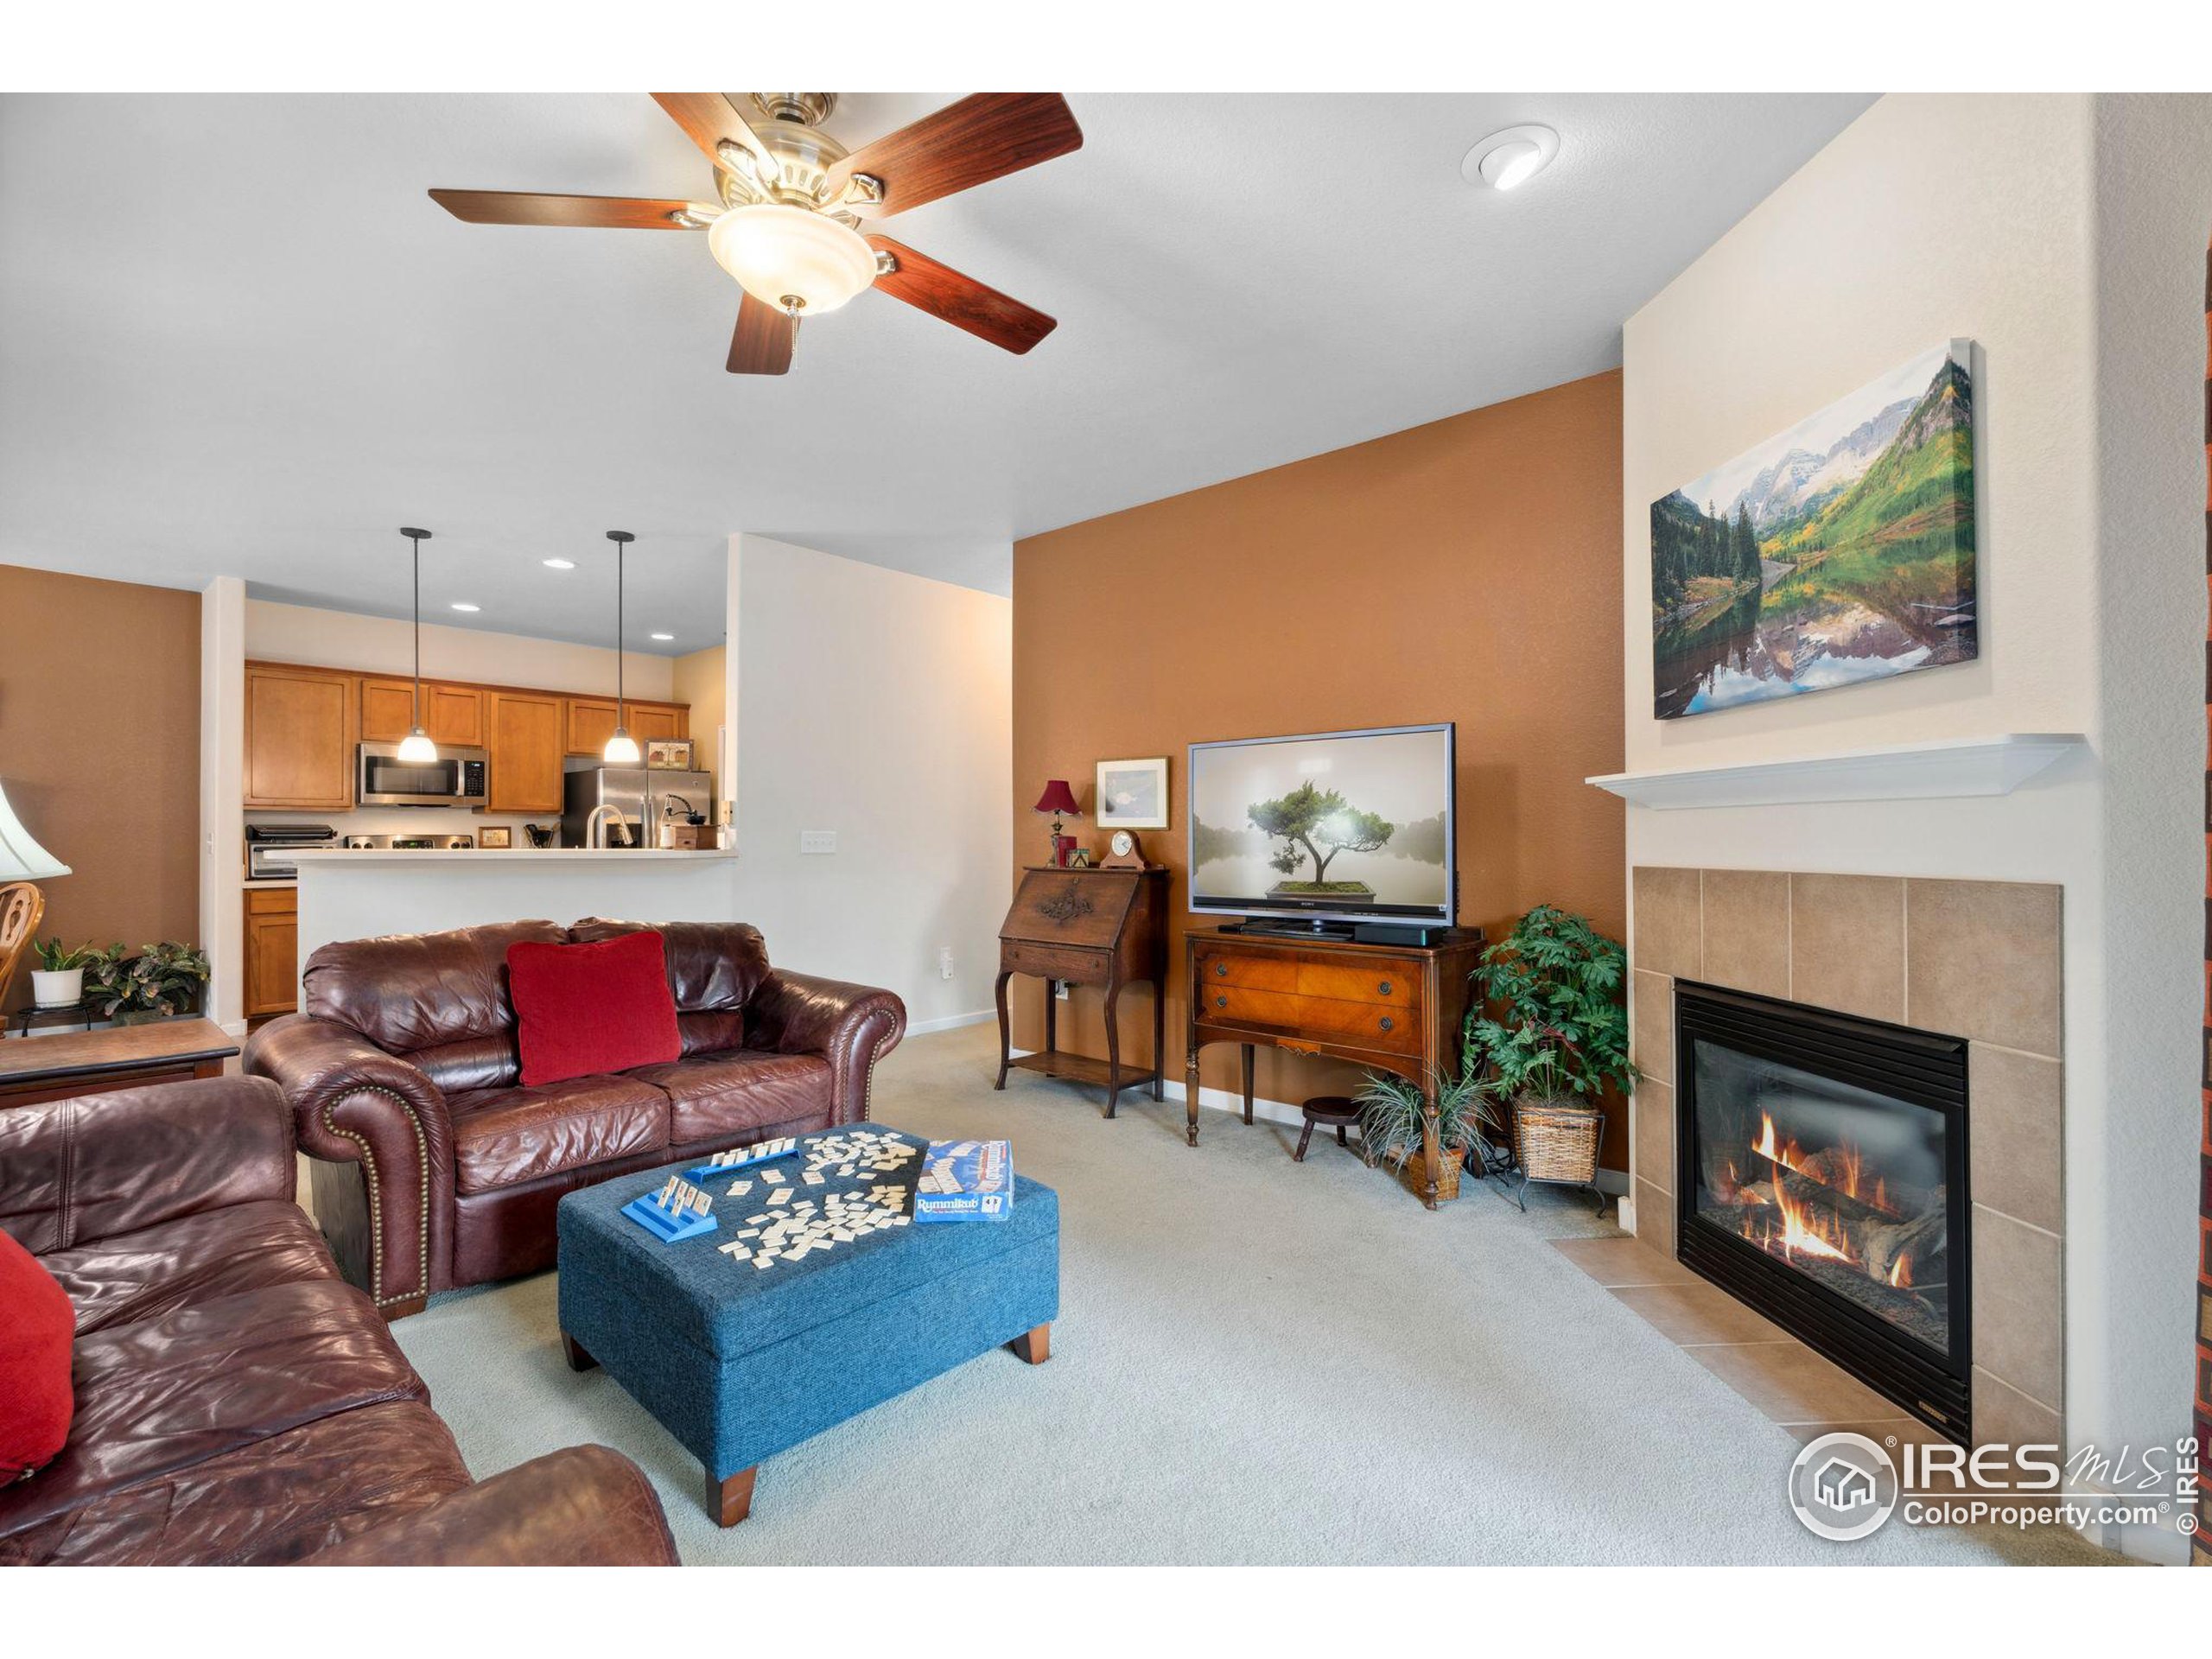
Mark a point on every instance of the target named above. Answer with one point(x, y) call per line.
point(710, 119)
point(612, 212)
point(984, 136)
point(762, 344)
point(960, 300)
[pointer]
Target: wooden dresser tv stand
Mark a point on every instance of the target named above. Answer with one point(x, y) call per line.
point(1394, 1008)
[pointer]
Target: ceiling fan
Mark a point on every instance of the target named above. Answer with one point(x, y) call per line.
point(793, 200)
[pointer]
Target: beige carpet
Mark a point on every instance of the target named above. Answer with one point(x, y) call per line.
point(1256, 1360)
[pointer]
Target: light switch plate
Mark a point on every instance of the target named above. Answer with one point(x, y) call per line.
point(818, 841)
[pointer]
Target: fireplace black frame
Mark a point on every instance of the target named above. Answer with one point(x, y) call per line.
point(1919, 1067)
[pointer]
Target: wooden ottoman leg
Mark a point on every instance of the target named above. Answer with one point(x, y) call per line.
point(573, 1351)
point(1035, 1346)
point(1305, 1138)
point(730, 1501)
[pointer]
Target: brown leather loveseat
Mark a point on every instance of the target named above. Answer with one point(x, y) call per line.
point(434, 1168)
point(236, 1401)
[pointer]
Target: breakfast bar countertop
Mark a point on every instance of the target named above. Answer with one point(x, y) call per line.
point(487, 854)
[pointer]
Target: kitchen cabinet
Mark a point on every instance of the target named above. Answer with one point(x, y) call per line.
point(589, 722)
point(451, 713)
point(524, 729)
point(272, 950)
point(299, 737)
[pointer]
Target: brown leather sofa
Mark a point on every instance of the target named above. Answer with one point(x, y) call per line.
point(236, 1400)
point(434, 1168)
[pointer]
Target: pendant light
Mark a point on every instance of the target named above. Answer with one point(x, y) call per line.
point(622, 749)
point(416, 748)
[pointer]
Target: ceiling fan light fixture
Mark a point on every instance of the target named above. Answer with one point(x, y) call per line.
point(1507, 160)
point(792, 258)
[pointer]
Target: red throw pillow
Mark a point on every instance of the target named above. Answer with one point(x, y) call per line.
point(582, 1009)
point(37, 1326)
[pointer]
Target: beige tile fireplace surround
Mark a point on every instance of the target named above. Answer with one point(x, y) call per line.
point(1973, 959)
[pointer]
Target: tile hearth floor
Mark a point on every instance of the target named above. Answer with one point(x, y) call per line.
point(1789, 1384)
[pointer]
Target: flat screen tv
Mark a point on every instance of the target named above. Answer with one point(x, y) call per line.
point(1349, 827)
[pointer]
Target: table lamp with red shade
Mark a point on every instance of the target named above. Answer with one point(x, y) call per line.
point(1059, 799)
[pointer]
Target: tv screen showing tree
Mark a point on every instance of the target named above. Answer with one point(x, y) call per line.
point(1345, 823)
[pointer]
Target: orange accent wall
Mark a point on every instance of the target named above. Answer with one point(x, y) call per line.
point(1466, 570)
point(99, 747)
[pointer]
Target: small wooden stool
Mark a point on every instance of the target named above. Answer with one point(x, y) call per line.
point(1340, 1110)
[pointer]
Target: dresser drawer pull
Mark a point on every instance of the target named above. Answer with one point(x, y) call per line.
point(1387, 1023)
point(1221, 1001)
point(1384, 987)
point(1221, 970)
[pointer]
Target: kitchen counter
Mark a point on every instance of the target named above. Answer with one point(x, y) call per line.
point(358, 894)
point(489, 855)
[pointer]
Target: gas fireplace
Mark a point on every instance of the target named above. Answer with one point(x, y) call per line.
point(1822, 1164)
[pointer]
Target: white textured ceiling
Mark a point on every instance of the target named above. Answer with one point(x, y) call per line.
point(236, 338)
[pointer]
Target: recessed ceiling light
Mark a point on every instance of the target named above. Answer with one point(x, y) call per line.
point(559, 564)
point(1507, 160)
point(463, 605)
point(663, 636)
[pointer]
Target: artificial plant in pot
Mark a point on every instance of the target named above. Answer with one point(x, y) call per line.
point(1551, 1037)
point(160, 983)
point(58, 981)
point(1393, 1114)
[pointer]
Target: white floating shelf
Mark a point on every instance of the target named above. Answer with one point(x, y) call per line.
point(1906, 772)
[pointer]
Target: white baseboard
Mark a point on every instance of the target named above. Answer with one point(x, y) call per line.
point(950, 1022)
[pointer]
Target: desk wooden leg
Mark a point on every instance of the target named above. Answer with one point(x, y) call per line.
point(1051, 1016)
point(1191, 1097)
point(1432, 1154)
point(1247, 1082)
point(1006, 1030)
point(730, 1501)
point(1113, 1046)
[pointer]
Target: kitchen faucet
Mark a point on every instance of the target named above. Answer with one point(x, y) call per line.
point(595, 825)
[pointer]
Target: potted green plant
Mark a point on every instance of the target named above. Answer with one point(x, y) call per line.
point(1551, 1032)
point(1393, 1116)
point(58, 981)
point(160, 983)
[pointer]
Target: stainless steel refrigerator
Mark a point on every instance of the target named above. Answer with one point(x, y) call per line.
point(642, 799)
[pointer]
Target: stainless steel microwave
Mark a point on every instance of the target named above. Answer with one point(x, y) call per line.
point(456, 778)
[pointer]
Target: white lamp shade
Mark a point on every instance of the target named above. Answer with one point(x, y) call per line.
point(417, 749)
point(22, 859)
point(622, 749)
point(778, 253)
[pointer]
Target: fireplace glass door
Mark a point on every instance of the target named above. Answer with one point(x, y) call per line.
point(1841, 1184)
point(1823, 1163)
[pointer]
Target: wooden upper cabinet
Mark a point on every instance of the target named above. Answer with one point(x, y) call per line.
point(451, 713)
point(454, 715)
point(659, 720)
point(589, 723)
point(299, 737)
point(524, 732)
point(387, 710)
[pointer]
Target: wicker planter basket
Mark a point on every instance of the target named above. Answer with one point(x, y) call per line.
point(1557, 1139)
point(1413, 1174)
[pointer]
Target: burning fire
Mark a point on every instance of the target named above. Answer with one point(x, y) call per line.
point(1901, 1272)
point(1802, 1232)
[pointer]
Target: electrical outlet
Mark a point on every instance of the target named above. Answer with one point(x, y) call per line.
point(944, 963)
point(818, 841)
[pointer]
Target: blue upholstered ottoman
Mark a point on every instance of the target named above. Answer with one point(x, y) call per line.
point(740, 1361)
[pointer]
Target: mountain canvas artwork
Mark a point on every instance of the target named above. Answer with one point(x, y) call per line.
point(1838, 552)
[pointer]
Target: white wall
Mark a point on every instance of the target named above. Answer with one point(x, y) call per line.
point(383, 645)
point(1931, 217)
point(222, 783)
point(879, 705)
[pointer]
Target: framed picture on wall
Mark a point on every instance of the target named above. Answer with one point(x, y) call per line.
point(667, 753)
point(495, 838)
point(1132, 794)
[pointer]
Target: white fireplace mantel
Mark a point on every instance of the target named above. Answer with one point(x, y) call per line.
point(1904, 771)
